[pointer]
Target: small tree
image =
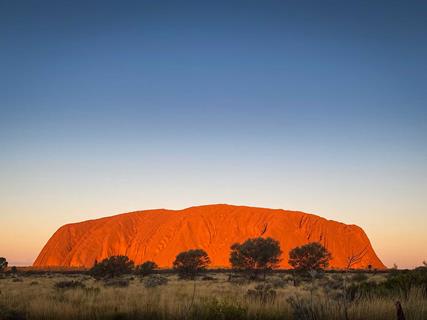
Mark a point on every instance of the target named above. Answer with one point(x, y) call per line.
point(3, 264)
point(112, 267)
point(189, 263)
point(146, 268)
point(312, 256)
point(355, 258)
point(255, 255)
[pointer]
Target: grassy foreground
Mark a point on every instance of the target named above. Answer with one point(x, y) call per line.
point(78, 296)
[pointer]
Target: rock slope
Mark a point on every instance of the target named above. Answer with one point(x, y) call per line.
point(159, 235)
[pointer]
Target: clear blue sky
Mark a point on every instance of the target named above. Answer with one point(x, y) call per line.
point(113, 106)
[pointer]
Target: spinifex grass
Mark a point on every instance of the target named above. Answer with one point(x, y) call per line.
point(37, 297)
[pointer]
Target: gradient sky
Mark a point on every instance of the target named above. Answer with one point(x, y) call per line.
point(109, 107)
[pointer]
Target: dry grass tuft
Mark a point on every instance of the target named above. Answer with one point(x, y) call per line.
point(37, 297)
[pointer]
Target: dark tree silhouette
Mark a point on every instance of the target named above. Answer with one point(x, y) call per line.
point(3, 264)
point(112, 267)
point(189, 263)
point(312, 256)
point(355, 258)
point(255, 255)
point(146, 268)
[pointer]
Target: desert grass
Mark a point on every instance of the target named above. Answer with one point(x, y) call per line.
point(37, 297)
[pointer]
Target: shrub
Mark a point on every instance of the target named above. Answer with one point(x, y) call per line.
point(264, 293)
point(3, 264)
point(146, 268)
point(112, 267)
point(304, 309)
point(189, 263)
point(73, 284)
point(312, 256)
point(255, 255)
point(9, 314)
point(237, 280)
point(337, 277)
point(334, 283)
point(117, 283)
point(214, 309)
point(155, 281)
point(359, 277)
point(278, 282)
point(398, 283)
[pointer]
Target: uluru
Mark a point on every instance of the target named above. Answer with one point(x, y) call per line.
point(159, 235)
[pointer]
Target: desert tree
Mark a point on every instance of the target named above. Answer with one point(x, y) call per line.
point(3, 264)
point(355, 257)
point(189, 263)
point(146, 268)
point(255, 255)
point(311, 256)
point(112, 267)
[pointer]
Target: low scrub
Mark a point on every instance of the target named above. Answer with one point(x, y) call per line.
point(215, 309)
point(155, 281)
point(264, 293)
point(397, 283)
point(117, 283)
point(71, 284)
point(8, 314)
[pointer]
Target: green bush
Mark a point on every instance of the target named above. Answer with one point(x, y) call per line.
point(312, 256)
point(190, 263)
point(256, 255)
point(146, 268)
point(398, 282)
point(112, 267)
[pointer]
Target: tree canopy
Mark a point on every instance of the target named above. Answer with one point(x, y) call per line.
point(3, 264)
point(255, 254)
point(190, 263)
point(112, 267)
point(312, 256)
point(146, 268)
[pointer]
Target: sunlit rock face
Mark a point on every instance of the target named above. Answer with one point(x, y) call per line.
point(159, 235)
